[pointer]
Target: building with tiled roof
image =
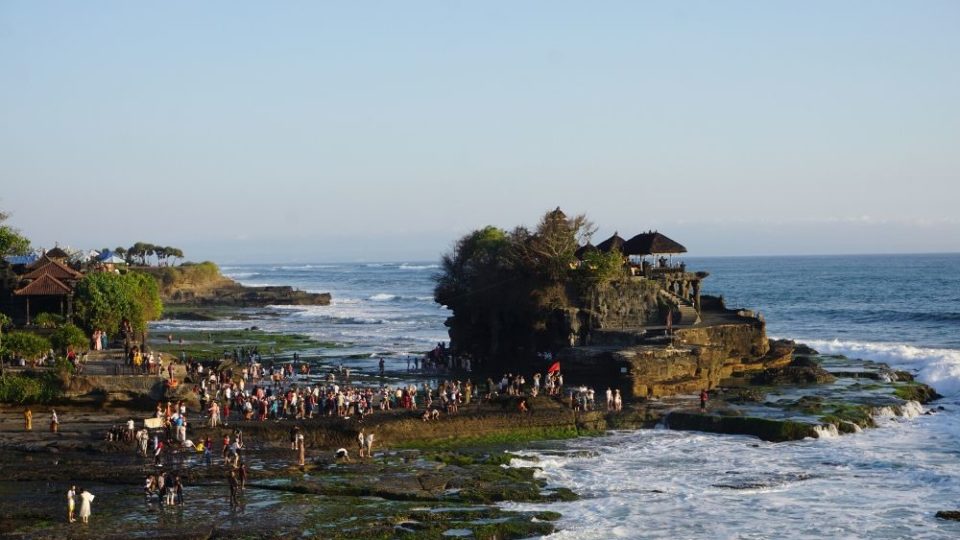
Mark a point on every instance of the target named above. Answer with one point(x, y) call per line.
point(55, 269)
point(46, 294)
point(45, 285)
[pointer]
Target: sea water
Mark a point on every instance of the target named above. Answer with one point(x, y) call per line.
point(880, 483)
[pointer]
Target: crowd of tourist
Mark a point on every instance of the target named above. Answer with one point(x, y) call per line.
point(252, 391)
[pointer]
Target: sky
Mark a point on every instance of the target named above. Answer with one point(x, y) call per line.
point(322, 131)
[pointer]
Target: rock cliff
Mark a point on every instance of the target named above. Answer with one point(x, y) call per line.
point(202, 285)
point(698, 357)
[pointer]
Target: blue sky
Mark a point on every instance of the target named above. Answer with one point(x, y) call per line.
point(316, 131)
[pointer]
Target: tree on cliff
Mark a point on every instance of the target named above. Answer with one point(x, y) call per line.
point(551, 250)
point(104, 299)
point(11, 241)
point(509, 290)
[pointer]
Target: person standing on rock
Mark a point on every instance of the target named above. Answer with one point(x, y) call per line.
point(234, 489)
point(301, 449)
point(242, 475)
point(71, 503)
point(85, 499)
point(214, 414)
point(158, 454)
point(369, 444)
point(28, 419)
point(54, 421)
point(361, 442)
point(703, 400)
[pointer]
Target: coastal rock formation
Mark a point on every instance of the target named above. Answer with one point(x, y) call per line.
point(800, 371)
point(124, 391)
point(202, 285)
point(698, 358)
point(232, 294)
point(764, 428)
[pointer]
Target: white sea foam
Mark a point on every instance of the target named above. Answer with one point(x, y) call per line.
point(911, 409)
point(406, 266)
point(240, 275)
point(826, 431)
point(940, 368)
point(664, 484)
point(387, 297)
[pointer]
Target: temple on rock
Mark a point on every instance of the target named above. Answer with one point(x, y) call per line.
point(623, 312)
point(681, 288)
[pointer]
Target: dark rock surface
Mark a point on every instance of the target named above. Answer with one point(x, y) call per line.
point(800, 371)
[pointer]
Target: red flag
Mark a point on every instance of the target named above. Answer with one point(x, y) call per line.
point(554, 367)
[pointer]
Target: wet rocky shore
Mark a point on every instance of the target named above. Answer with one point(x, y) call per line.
point(436, 479)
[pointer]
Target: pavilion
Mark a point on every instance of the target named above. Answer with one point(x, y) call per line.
point(48, 295)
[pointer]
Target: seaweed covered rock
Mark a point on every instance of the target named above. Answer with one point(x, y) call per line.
point(764, 428)
point(746, 395)
point(914, 391)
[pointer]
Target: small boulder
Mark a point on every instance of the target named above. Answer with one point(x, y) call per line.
point(953, 515)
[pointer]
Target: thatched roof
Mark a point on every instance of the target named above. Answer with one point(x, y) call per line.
point(45, 285)
point(649, 243)
point(614, 242)
point(55, 269)
point(584, 249)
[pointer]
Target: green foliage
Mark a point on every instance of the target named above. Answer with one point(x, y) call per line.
point(142, 251)
point(5, 321)
point(550, 252)
point(48, 320)
point(479, 262)
point(31, 387)
point(11, 241)
point(104, 299)
point(26, 344)
point(599, 268)
point(509, 290)
point(914, 391)
point(188, 274)
point(69, 336)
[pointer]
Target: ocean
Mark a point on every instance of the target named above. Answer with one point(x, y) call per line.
point(881, 483)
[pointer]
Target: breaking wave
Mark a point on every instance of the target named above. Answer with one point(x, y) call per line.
point(385, 297)
point(940, 368)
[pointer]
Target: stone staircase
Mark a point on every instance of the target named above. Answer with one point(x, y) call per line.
point(688, 313)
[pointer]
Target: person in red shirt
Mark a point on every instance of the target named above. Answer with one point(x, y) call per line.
point(703, 400)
